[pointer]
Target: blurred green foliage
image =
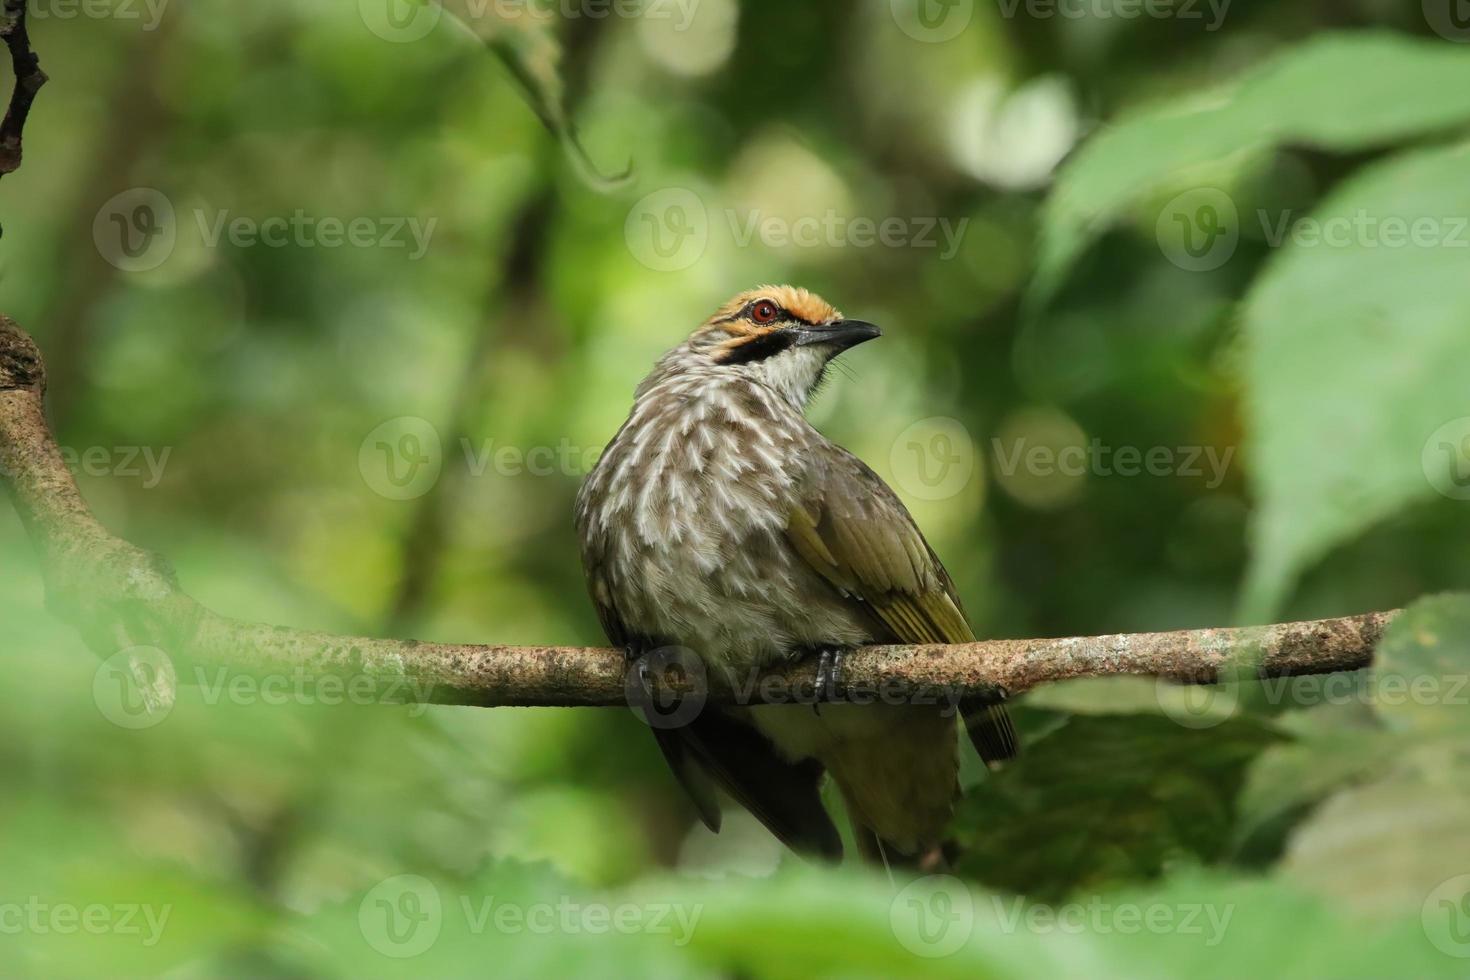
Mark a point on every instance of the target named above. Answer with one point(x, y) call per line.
point(1104, 246)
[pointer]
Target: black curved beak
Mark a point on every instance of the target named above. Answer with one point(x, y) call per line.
point(841, 334)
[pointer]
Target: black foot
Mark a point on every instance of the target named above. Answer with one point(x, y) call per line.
point(634, 657)
point(829, 675)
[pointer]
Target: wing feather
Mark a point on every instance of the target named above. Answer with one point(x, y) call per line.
point(855, 532)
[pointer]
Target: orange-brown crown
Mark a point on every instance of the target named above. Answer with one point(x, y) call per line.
point(733, 332)
point(800, 303)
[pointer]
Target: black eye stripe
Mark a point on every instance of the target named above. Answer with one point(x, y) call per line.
point(762, 347)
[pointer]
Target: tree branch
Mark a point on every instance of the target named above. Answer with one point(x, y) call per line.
point(28, 81)
point(118, 595)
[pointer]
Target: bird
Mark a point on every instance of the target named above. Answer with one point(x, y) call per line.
point(721, 522)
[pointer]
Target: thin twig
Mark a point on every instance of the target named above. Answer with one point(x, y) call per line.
point(28, 81)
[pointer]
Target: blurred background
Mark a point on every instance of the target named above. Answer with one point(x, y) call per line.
point(341, 299)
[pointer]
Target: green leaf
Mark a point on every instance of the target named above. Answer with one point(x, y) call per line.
point(810, 921)
point(1335, 744)
point(1384, 849)
point(1318, 93)
point(510, 919)
point(528, 48)
point(1106, 799)
point(1221, 927)
point(76, 896)
point(1422, 668)
point(1355, 366)
point(1202, 706)
point(1419, 688)
point(1098, 696)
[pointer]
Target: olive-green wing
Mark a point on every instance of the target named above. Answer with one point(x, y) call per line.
point(855, 532)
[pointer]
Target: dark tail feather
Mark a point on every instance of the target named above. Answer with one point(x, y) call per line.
point(990, 729)
point(783, 795)
point(695, 781)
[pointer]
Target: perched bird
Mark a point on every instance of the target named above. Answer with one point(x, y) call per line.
point(720, 520)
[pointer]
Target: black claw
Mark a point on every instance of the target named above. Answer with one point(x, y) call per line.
point(819, 685)
point(829, 675)
point(839, 663)
point(633, 655)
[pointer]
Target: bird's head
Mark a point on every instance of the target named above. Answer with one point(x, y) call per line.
point(781, 336)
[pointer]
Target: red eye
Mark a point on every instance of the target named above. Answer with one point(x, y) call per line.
point(764, 312)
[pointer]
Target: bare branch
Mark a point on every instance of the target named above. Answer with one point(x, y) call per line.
point(28, 81)
point(118, 595)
